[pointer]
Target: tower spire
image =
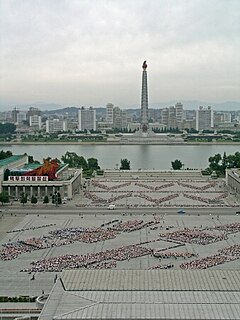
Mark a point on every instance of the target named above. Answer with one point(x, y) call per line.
point(144, 99)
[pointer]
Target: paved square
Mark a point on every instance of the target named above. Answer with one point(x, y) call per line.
point(33, 229)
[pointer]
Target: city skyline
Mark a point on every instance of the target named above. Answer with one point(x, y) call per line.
point(82, 53)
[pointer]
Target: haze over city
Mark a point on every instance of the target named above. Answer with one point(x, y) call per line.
point(91, 52)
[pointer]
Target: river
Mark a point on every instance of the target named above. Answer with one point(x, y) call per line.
point(140, 156)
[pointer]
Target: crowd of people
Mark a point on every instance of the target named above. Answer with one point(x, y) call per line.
point(57, 264)
point(133, 225)
point(149, 185)
point(233, 251)
point(32, 228)
point(171, 254)
point(145, 196)
point(92, 196)
point(162, 266)
point(103, 186)
point(224, 255)
point(202, 188)
point(207, 262)
point(66, 236)
point(11, 250)
point(228, 228)
point(205, 200)
point(193, 236)
point(152, 188)
point(108, 259)
point(120, 196)
point(103, 265)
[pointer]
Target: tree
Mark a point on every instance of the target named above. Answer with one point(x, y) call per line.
point(56, 198)
point(237, 159)
point(93, 164)
point(75, 161)
point(215, 162)
point(224, 163)
point(219, 163)
point(34, 200)
point(4, 197)
point(46, 200)
point(125, 164)
point(7, 128)
point(177, 164)
point(23, 199)
point(6, 174)
point(4, 155)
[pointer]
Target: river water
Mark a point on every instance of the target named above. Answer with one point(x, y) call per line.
point(140, 156)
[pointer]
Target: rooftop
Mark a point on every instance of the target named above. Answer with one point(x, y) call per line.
point(144, 294)
point(166, 280)
point(7, 161)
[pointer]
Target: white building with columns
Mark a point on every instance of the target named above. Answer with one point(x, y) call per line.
point(68, 181)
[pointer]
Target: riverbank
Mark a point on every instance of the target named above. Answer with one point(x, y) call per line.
point(137, 142)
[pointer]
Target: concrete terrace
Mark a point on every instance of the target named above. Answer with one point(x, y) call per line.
point(155, 188)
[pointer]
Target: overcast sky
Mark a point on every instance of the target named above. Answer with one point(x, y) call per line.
point(90, 52)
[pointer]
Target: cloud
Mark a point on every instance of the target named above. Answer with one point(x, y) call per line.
point(90, 52)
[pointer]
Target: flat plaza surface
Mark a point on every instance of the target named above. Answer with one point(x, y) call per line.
point(151, 237)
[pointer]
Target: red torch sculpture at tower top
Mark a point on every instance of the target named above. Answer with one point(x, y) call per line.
point(144, 66)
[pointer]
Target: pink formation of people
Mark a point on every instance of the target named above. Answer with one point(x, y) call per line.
point(89, 261)
point(166, 185)
point(205, 200)
point(103, 186)
point(157, 201)
point(92, 196)
point(228, 228)
point(193, 236)
point(66, 236)
point(171, 254)
point(134, 225)
point(109, 258)
point(202, 188)
point(143, 194)
point(225, 255)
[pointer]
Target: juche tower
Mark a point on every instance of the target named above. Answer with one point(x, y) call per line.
point(144, 100)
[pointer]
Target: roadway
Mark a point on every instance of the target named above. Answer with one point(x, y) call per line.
point(64, 209)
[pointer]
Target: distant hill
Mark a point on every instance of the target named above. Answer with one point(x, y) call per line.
point(68, 110)
point(53, 108)
point(194, 104)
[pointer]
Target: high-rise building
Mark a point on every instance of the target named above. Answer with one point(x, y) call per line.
point(87, 119)
point(35, 121)
point(179, 112)
point(164, 116)
point(32, 112)
point(117, 118)
point(56, 125)
point(14, 115)
point(124, 119)
point(120, 120)
point(204, 118)
point(109, 112)
point(172, 117)
point(144, 99)
point(21, 116)
point(172, 121)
